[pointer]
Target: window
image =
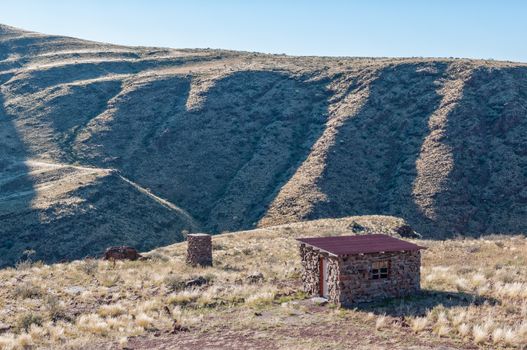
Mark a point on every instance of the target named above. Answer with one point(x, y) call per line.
point(380, 269)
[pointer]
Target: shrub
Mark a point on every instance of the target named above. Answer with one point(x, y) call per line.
point(54, 308)
point(144, 321)
point(7, 341)
point(509, 337)
point(110, 280)
point(442, 330)
point(89, 266)
point(217, 246)
point(92, 324)
point(419, 324)
point(111, 310)
point(381, 322)
point(458, 318)
point(183, 298)
point(159, 257)
point(497, 335)
point(24, 341)
point(174, 283)
point(27, 290)
point(480, 334)
point(26, 320)
point(463, 329)
point(23, 265)
point(209, 277)
point(247, 251)
point(25, 261)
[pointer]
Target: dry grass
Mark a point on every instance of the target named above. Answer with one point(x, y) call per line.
point(491, 274)
point(419, 324)
point(380, 323)
point(479, 296)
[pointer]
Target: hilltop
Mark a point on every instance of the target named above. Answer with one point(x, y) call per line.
point(103, 144)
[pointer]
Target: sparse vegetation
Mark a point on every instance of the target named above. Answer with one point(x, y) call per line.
point(220, 141)
point(474, 299)
point(27, 290)
point(380, 323)
point(89, 266)
point(27, 320)
point(228, 141)
point(55, 307)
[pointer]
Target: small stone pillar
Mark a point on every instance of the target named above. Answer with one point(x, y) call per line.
point(199, 250)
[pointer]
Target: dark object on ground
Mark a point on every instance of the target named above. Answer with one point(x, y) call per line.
point(407, 231)
point(319, 301)
point(355, 227)
point(196, 282)
point(255, 278)
point(403, 322)
point(121, 253)
point(178, 328)
point(167, 310)
point(4, 327)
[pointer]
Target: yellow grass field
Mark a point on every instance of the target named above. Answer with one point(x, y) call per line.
point(474, 296)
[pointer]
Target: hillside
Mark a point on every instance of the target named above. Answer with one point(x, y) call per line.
point(253, 298)
point(239, 140)
point(68, 212)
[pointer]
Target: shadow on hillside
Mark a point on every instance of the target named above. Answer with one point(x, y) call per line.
point(371, 168)
point(223, 161)
point(485, 190)
point(70, 112)
point(226, 159)
point(112, 213)
point(422, 302)
point(38, 80)
point(16, 194)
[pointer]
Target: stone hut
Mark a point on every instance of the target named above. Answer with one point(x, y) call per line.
point(361, 268)
point(199, 249)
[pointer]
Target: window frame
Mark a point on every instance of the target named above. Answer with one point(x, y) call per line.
point(380, 270)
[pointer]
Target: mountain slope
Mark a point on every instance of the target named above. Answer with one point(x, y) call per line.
point(69, 212)
point(238, 140)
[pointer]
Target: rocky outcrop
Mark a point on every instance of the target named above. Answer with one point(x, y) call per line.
point(121, 253)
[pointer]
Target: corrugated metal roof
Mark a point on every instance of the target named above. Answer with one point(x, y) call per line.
point(359, 244)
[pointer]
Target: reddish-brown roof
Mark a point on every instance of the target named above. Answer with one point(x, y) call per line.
point(359, 244)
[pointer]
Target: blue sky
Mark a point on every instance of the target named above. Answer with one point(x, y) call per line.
point(396, 28)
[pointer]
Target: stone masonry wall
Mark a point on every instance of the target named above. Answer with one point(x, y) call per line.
point(310, 274)
point(310, 259)
point(349, 277)
point(333, 280)
point(199, 249)
point(356, 285)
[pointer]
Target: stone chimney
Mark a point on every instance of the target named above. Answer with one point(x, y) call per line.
point(199, 250)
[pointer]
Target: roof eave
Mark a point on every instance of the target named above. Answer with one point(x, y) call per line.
point(415, 248)
point(319, 249)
